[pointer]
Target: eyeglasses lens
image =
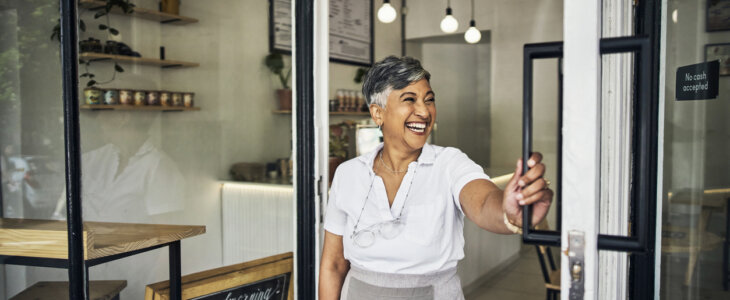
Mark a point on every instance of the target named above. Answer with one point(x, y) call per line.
point(364, 239)
point(390, 230)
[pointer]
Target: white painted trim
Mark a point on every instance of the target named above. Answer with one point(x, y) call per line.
point(321, 123)
point(581, 129)
point(616, 111)
point(660, 150)
point(294, 138)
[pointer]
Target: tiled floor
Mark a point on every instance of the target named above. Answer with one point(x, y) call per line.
point(522, 280)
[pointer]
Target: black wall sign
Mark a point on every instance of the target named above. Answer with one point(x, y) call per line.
point(698, 81)
point(274, 288)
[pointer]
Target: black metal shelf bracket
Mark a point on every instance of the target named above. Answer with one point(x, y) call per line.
point(644, 148)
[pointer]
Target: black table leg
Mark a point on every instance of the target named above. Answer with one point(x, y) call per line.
point(726, 248)
point(86, 273)
point(175, 274)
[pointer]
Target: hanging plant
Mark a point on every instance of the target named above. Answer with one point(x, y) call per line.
point(126, 7)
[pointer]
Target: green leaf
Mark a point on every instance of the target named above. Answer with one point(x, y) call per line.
point(86, 75)
point(113, 31)
point(118, 68)
point(99, 14)
point(82, 25)
point(56, 32)
point(103, 27)
point(90, 83)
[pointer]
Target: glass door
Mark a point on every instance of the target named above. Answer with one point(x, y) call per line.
point(609, 118)
point(695, 195)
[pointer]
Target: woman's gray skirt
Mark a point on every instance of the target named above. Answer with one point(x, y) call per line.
point(362, 284)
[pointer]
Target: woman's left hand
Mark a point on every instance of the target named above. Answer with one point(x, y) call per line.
point(530, 188)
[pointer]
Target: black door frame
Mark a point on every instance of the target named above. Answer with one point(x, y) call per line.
point(305, 175)
point(642, 265)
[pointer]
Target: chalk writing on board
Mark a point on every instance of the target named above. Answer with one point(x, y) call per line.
point(272, 288)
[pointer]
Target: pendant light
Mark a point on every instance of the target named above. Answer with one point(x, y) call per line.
point(472, 35)
point(449, 24)
point(386, 13)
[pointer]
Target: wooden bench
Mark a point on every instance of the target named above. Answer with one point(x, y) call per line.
point(98, 290)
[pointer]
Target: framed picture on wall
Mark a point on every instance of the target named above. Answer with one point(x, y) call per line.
point(718, 15)
point(350, 34)
point(719, 52)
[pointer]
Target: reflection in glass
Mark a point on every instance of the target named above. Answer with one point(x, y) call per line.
point(128, 178)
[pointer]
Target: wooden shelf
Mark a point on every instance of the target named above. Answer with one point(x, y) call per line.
point(142, 13)
point(135, 107)
point(49, 238)
point(332, 113)
point(98, 290)
point(166, 63)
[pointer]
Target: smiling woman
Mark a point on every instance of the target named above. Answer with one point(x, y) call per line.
point(395, 217)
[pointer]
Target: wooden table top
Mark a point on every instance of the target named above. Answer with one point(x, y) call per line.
point(715, 198)
point(49, 238)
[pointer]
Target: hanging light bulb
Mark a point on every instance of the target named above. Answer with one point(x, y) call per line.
point(472, 35)
point(386, 13)
point(449, 24)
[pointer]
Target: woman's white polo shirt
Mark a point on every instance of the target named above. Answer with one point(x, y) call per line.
point(432, 239)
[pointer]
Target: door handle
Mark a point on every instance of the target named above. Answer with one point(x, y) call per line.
point(643, 144)
point(531, 52)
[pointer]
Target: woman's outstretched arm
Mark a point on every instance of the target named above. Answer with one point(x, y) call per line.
point(485, 204)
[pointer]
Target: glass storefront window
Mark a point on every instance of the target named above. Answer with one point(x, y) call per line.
point(180, 125)
point(31, 140)
point(696, 193)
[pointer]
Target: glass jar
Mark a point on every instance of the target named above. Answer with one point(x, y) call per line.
point(111, 97)
point(165, 98)
point(153, 98)
point(139, 98)
point(93, 95)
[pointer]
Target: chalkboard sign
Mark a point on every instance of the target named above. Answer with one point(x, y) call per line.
point(265, 278)
point(274, 288)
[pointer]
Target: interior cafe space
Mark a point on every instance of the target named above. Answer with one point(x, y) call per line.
point(166, 149)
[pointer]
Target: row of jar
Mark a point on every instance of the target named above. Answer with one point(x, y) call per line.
point(138, 98)
point(348, 101)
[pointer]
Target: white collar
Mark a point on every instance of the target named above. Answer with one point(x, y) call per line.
point(427, 155)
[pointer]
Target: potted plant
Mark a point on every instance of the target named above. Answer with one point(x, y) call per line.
point(338, 146)
point(275, 63)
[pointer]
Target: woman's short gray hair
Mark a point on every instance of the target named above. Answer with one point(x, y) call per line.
point(391, 73)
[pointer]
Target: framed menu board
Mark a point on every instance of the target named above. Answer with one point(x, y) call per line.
point(265, 278)
point(350, 36)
